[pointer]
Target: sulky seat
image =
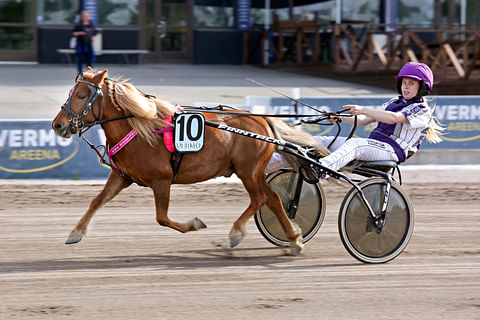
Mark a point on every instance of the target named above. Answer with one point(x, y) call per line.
point(385, 165)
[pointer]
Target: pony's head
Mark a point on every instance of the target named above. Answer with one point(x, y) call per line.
point(86, 106)
point(83, 105)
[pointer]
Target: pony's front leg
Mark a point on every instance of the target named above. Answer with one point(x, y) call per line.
point(161, 192)
point(113, 186)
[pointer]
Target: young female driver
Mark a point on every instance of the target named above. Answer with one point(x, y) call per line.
point(402, 126)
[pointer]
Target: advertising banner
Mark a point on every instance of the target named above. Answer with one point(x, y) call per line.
point(31, 150)
point(460, 115)
point(91, 6)
point(243, 15)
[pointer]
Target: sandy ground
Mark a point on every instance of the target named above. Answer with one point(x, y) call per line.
point(130, 268)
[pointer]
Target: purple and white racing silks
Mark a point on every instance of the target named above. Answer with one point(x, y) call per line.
point(405, 138)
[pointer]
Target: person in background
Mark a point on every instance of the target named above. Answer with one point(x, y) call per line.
point(85, 33)
point(402, 125)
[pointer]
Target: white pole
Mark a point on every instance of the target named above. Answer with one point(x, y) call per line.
point(296, 96)
point(463, 16)
point(463, 13)
point(338, 14)
point(296, 93)
point(267, 27)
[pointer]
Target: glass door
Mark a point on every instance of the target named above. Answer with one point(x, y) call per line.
point(167, 30)
point(17, 30)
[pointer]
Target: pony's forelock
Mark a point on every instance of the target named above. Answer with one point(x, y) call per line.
point(89, 73)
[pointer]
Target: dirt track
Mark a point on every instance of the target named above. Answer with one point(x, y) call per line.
point(128, 267)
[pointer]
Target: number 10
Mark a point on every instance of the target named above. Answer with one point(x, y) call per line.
point(189, 127)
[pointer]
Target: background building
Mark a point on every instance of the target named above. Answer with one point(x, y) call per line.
point(197, 31)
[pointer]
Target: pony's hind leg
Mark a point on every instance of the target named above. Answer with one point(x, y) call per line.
point(291, 229)
point(260, 194)
point(112, 187)
point(161, 192)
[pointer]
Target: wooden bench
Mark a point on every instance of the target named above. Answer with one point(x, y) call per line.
point(125, 53)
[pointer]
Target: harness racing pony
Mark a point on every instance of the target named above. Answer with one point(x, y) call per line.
point(120, 108)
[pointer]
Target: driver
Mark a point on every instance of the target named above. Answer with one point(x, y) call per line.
point(402, 125)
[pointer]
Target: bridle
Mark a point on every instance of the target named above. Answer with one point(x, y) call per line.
point(77, 120)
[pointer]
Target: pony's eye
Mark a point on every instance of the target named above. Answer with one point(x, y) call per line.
point(81, 96)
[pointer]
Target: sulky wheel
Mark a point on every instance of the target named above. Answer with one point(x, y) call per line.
point(357, 230)
point(308, 215)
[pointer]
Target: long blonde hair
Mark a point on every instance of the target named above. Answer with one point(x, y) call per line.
point(435, 131)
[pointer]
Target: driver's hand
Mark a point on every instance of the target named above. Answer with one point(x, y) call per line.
point(334, 119)
point(354, 110)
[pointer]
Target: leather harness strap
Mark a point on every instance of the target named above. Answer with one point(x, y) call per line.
point(176, 161)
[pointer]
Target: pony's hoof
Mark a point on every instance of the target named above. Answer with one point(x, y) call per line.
point(74, 237)
point(236, 236)
point(198, 224)
point(235, 241)
point(295, 249)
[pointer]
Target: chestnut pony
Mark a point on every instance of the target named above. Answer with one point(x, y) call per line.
point(95, 99)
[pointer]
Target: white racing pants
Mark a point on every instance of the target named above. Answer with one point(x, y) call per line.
point(343, 151)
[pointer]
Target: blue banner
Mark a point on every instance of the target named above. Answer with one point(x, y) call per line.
point(91, 7)
point(460, 115)
point(31, 150)
point(243, 15)
point(391, 13)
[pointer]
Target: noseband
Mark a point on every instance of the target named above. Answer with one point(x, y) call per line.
point(77, 120)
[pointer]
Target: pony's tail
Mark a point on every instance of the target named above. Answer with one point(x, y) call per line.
point(283, 131)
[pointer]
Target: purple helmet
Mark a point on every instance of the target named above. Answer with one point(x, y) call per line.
point(417, 71)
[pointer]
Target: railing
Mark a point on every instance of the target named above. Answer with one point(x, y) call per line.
point(452, 53)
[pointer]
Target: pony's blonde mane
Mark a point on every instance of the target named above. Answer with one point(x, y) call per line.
point(149, 112)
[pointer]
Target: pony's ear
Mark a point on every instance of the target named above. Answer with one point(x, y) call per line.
point(99, 77)
point(89, 69)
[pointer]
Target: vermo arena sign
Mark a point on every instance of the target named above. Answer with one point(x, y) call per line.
point(30, 149)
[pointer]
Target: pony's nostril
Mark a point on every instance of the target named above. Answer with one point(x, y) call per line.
point(57, 126)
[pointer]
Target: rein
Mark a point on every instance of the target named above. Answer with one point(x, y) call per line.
point(316, 120)
point(219, 109)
